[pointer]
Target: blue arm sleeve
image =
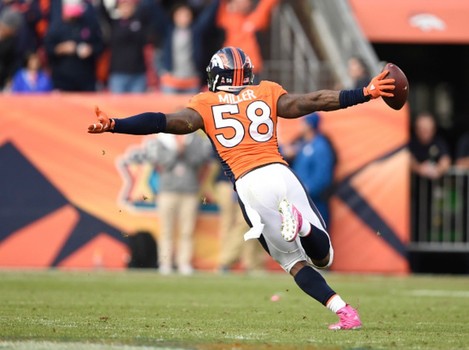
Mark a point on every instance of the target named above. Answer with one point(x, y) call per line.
point(141, 124)
point(349, 98)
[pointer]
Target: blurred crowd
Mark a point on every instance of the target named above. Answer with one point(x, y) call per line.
point(122, 46)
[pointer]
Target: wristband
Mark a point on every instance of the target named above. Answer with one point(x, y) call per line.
point(348, 98)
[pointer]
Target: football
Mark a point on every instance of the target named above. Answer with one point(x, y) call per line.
point(402, 87)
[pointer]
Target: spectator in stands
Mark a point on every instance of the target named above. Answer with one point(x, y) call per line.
point(233, 248)
point(128, 38)
point(73, 47)
point(178, 159)
point(28, 39)
point(429, 152)
point(10, 22)
point(462, 151)
point(183, 44)
point(429, 161)
point(241, 22)
point(313, 159)
point(32, 78)
point(358, 70)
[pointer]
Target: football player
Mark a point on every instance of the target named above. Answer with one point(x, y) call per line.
point(241, 120)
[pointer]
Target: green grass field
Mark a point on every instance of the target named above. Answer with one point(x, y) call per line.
point(143, 310)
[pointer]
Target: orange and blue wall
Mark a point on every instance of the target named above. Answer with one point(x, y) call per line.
point(69, 199)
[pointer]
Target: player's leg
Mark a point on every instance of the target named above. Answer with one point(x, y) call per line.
point(301, 218)
point(310, 280)
point(314, 240)
point(313, 284)
point(260, 193)
point(317, 244)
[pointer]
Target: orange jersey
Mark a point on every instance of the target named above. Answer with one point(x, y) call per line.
point(242, 127)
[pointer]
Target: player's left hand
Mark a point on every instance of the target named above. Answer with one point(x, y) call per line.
point(104, 123)
point(379, 86)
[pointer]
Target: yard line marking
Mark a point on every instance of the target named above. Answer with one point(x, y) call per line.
point(46, 345)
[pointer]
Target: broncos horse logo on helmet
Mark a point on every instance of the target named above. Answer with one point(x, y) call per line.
point(230, 69)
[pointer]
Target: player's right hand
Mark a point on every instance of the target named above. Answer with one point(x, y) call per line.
point(104, 123)
point(379, 86)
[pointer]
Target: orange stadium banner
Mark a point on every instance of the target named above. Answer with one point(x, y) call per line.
point(415, 21)
point(70, 199)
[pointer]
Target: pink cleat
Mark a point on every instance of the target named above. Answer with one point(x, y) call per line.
point(348, 319)
point(291, 220)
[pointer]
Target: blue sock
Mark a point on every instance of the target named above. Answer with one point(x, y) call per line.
point(313, 284)
point(316, 244)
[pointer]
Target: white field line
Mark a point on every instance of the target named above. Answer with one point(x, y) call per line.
point(440, 293)
point(45, 345)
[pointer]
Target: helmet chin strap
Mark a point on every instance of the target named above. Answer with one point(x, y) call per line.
point(213, 85)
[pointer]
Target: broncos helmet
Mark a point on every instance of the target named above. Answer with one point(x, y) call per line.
point(229, 70)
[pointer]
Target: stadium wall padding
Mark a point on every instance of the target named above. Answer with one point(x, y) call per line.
point(69, 199)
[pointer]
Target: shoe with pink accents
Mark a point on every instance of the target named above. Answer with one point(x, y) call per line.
point(291, 220)
point(348, 319)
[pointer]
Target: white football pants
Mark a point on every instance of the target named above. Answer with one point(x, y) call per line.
point(261, 191)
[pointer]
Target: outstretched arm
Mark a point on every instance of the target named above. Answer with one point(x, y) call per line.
point(182, 122)
point(297, 105)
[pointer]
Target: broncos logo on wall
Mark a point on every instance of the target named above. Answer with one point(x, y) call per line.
point(140, 179)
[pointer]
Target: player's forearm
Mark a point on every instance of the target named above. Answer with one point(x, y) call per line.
point(295, 106)
point(330, 100)
point(322, 100)
point(140, 124)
